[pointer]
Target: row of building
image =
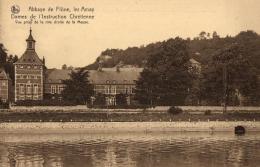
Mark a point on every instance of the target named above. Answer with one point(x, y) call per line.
point(33, 81)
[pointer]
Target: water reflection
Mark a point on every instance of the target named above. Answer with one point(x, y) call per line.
point(130, 150)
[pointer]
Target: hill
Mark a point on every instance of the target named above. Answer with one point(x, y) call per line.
point(201, 48)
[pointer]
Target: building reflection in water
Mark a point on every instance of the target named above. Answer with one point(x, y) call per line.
point(130, 150)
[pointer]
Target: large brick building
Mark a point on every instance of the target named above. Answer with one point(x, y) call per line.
point(29, 74)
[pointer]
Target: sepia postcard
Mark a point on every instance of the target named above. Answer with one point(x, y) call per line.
point(129, 83)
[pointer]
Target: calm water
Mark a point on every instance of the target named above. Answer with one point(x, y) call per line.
point(129, 150)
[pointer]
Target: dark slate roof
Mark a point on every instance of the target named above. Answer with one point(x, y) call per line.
point(111, 76)
point(30, 37)
point(57, 75)
point(29, 57)
point(3, 75)
point(106, 76)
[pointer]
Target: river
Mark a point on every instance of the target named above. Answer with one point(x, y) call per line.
point(189, 149)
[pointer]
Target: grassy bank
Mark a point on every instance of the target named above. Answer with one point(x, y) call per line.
point(122, 117)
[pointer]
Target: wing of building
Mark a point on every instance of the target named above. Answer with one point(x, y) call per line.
point(5, 86)
point(29, 73)
point(109, 82)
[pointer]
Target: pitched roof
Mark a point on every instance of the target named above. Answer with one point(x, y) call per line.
point(29, 57)
point(57, 75)
point(3, 74)
point(106, 76)
point(30, 37)
point(111, 76)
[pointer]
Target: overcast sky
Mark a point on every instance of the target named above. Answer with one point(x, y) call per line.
point(122, 24)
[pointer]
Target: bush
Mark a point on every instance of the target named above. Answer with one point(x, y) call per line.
point(175, 110)
point(207, 112)
point(119, 106)
point(44, 103)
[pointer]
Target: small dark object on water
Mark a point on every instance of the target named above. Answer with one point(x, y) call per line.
point(239, 130)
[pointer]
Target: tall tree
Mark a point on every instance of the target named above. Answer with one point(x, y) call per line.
point(78, 88)
point(3, 55)
point(166, 78)
point(230, 74)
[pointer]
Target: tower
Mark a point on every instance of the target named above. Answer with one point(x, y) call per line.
point(29, 73)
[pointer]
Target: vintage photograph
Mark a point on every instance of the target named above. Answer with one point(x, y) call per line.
point(129, 83)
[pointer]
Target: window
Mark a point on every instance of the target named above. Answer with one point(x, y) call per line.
point(110, 101)
point(35, 89)
point(35, 67)
point(113, 90)
point(28, 89)
point(30, 45)
point(60, 89)
point(21, 87)
point(107, 89)
point(128, 89)
point(53, 89)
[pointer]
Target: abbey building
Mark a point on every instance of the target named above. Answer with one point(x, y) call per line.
point(29, 74)
point(33, 81)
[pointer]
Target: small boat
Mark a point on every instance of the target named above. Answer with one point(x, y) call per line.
point(239, 130)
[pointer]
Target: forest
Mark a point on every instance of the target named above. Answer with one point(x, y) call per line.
point(201, 48)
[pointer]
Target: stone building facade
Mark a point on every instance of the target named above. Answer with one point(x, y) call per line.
point(29, 74)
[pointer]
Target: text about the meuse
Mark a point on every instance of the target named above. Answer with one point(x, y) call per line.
point(54, 15)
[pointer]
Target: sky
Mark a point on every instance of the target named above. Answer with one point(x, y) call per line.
point(122, 24)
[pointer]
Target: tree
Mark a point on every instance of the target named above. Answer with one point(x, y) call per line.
point(215, 35)
point(165, 79)
point(3, 55)
point(229, 74)
point(78, 88)
point(202, 35)
point(121, 99)
point(64, 67)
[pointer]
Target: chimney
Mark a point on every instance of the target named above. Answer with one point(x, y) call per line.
point(100, 65)
point(43, 60)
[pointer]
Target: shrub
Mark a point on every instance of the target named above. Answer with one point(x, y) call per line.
point(175, 110)
point(207, 112)
point(4, 105)
point(44, 103)
point(120, 106)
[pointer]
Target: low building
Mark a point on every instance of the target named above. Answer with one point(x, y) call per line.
point(109, 82)
point(5, 86)
point(53, 85)
point(112, 82)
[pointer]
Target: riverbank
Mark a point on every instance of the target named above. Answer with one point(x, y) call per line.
point(125, 117)
point(110, 127)
point(83, 108)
